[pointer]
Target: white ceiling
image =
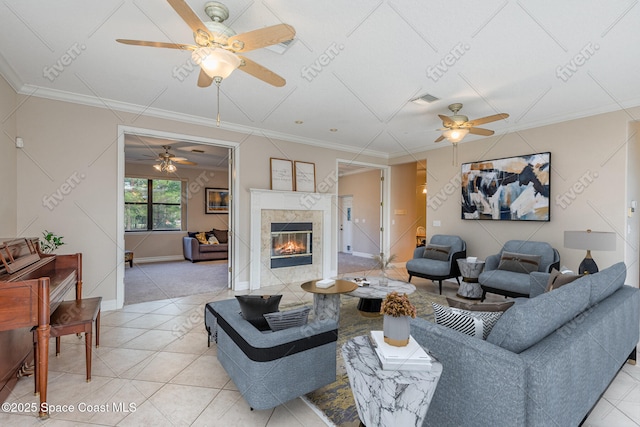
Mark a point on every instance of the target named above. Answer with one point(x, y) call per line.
point(539, 62)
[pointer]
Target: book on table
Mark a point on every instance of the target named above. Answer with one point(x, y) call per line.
point(325, 283)
point(411, 357)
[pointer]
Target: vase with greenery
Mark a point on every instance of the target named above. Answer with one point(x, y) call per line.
point(397, 311)
point(384, 263)
point(50, 242)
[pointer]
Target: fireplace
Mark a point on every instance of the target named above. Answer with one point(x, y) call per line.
point(291, 244)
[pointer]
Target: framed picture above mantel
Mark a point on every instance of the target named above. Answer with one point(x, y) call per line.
point(281, 174)
point(507, 189)
point(305, 174)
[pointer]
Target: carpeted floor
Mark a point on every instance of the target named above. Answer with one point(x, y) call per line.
point(336, 400)
point(163, 280)
point(348, 263)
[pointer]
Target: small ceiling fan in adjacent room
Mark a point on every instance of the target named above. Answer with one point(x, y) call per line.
point(217, 46)
point(166, 161)
point(457, 126)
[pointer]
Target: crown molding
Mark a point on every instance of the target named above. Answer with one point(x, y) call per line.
point(58, 95)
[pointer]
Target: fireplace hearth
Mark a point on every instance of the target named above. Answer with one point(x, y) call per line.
point(291, 244)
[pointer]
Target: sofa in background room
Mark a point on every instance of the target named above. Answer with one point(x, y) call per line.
point(206, 249)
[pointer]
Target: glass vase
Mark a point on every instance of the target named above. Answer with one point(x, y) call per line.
point(384, 278)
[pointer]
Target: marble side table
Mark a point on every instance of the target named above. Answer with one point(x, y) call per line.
point(326, 301)
point(385, 397)
point(470, 288)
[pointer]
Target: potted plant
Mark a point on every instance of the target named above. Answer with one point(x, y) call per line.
point(50, 242)
point(397, 311)
point(383, 264)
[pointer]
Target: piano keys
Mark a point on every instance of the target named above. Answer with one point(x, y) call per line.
point(32, 285)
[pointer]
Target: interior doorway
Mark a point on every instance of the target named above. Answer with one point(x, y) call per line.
point(209, 167)
point(362, 215)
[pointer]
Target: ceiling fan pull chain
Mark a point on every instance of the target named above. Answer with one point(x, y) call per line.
point(218, 80)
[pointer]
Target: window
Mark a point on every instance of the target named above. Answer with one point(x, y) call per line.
point(152, 204)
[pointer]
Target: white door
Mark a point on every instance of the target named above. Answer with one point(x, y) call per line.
point(345, 232)
point(230, 180)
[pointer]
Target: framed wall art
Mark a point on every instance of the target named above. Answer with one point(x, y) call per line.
point(305, 174)
point(281, 174)
point(507, 189)
point(216, 201)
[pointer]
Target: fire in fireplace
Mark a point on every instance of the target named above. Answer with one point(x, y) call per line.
point(291, 244)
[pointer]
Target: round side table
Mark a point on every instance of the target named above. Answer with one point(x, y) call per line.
point(470, 288)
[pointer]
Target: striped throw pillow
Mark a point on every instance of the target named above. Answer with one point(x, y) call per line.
point(288, 319)
point(477, 324)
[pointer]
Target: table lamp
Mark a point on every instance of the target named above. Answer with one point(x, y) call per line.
point(589, 240)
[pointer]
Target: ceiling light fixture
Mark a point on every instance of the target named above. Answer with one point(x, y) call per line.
point(455, 135)
point(218, 64)
point(166, 165)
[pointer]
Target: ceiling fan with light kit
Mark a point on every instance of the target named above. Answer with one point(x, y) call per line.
point(217, 46)
point(166, 161)
point(457, 126)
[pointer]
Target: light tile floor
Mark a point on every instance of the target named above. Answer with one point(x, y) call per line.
point(153, 367)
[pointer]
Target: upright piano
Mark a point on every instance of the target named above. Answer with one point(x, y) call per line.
point(32, 285)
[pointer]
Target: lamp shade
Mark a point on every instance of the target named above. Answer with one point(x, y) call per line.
point(590, 240)
point(216, 62)
point(455, 135)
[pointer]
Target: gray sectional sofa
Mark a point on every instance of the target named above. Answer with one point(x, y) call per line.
point(546, 362)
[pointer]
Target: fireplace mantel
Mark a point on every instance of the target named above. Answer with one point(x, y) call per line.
point(289, 201)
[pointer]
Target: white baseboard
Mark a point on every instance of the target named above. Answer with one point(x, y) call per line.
point(242, 286)
point(158, 259)
point(108, 305)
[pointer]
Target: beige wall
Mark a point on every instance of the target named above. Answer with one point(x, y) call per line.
point(169, 243)
point(403, 202)
point(365, 189)
point(8, 160)
point(71, 151)
point(632, 238)
point(589, 180)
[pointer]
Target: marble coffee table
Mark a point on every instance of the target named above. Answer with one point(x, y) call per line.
point(326, 301)
point(387, 397)
point(371, 296)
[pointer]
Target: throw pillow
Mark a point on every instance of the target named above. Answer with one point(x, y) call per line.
point(437, 252)
point(500, 306)
point(221, 235)
point(254, 307)
point(202, 238)
point(519, 263)
point(212, 240)
point(192, 234)
point(557, 279)
point(288, 319)
point(477, 324)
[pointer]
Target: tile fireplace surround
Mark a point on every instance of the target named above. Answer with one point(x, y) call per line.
point(269, 206)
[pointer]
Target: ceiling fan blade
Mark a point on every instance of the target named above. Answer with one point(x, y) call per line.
point(261, 38)
point(204, 80)
point(480, 131)
point(189, 16)
point(157, 44)
point(180, 161)
point(440, 138)
point(488, 119)
point(260, 72)
point(446, 121)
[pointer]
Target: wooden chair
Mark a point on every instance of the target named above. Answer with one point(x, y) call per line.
point(75, 317)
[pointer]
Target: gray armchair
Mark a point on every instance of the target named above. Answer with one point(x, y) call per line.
point(438, 270)
point(272, 368)
point(513, 284)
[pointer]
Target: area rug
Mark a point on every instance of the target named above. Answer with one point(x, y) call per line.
point(348, 263)
point(163, 280)
point(336, 400)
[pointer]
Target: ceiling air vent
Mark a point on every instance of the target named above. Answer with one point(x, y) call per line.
point(280, 47)
point(197, 151)
point(425, 99)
